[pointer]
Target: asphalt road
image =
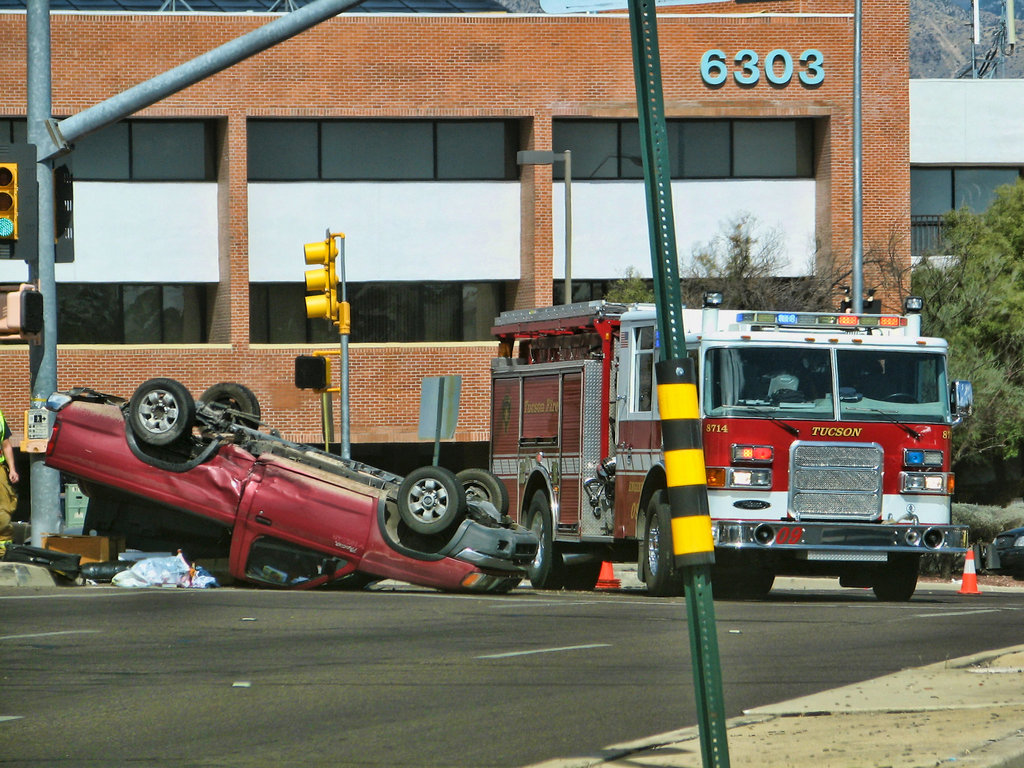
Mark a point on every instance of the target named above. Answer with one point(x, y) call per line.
point(406, 677)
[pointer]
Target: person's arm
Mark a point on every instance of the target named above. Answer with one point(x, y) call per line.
point(12, 472)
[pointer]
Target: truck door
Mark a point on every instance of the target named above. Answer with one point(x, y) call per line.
point(296, 525)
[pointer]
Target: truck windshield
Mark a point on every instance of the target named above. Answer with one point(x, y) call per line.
point(908, 385)
point(808, 383)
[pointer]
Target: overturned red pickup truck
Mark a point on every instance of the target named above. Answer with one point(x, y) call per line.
point(169, 472)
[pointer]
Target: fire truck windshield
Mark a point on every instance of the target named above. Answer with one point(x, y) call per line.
point(825, 384)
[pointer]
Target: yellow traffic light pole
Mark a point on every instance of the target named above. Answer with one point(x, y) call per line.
point(323, 284)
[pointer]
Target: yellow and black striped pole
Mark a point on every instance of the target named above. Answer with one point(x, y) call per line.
point(692, 543)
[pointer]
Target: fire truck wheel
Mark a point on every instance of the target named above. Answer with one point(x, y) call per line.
point(547, 570)
point(237, 398)
point(431, 500)
point(161, 411)
point(660, 574)
point(896, 582)
point(481, 484)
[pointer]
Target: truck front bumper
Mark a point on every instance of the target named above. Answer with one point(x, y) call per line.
point(841, 541)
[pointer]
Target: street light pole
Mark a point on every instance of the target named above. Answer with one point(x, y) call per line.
point(544, 157)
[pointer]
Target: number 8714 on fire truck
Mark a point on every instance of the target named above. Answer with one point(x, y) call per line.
point(826, 443)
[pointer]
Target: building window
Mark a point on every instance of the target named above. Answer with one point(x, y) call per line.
point(148, 150)
point(381, 150)
point(935, 191)
point(381, 312)
point(13, 130)
point(698, 149)
point(103, 313)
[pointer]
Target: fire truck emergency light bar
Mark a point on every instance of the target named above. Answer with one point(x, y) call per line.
point(817, 320)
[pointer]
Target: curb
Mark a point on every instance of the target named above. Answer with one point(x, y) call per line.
point(25, 575)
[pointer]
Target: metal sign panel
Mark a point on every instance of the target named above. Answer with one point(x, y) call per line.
point(439, 407)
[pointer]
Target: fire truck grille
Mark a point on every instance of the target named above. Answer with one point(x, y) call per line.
point(836, 481)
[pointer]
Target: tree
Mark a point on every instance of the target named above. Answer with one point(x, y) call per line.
point(743, 263)
point(973, 293)
point(631, 289)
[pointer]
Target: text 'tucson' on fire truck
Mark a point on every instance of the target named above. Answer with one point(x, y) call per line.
point(826, 443)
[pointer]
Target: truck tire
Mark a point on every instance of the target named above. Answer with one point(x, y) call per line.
point(659, 570)
point(481, 484)
point(431, 501)
point(161, 411)
point(234, 397)
point(897, 581)
point(547, 570)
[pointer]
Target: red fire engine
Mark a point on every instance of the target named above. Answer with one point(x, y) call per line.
point(826, 443)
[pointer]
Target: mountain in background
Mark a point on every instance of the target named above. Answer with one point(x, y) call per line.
point(940, 37)
point(941, 34)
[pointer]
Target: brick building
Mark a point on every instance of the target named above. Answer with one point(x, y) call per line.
point(401, 130)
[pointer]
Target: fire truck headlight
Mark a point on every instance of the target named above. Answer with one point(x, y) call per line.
point(923, 482)
point(749, 478)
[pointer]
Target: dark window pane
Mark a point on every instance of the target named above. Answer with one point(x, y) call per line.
point(704, 149)
point(377, 149)
point(770, 148)
point(89, 314)
point(286, 311)
point(975, 188)
point(142, 305)
point(183, 314)
point(471, 150)
point(631, 162)
point(282, 150)
point(170, 150)
point(103, 155)
point(931, 191)
point(594, 145)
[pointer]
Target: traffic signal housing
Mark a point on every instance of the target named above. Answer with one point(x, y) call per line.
point(19, 206)
point(21, 312)
point(322, 282)
point(312, 372)
point(8, 201)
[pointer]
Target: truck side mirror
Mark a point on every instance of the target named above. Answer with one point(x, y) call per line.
point(962, 400)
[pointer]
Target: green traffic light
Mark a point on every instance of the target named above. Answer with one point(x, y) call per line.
point(6, 227)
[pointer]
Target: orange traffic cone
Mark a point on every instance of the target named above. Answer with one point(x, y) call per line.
point(607, 578)
point(970, 582)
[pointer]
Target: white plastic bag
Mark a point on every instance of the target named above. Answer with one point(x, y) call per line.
point(165, 572)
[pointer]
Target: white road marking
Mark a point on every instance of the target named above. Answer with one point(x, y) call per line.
point(50, 634)
point(544, 650)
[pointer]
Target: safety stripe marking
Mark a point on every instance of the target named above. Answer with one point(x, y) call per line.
point(691, 534)
point(678, 401)
point(685, 467)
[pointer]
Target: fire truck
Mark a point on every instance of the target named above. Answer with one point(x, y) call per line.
point(826, 440)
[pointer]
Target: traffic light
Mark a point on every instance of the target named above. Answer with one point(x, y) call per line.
point(322, 282)
point(19, 202)
point(312, 372)
point(8, 201)
point(21, 312)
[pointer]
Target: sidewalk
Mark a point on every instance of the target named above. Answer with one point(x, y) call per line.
point(964, 712)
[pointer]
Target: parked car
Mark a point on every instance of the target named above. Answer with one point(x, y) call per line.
point(168, 472)
point(1009, 546)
